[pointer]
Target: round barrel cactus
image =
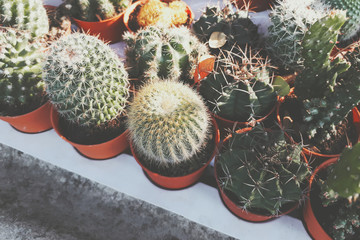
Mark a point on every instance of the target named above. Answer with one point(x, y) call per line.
point(168, 122)
point(85, 80)
point(27, 15)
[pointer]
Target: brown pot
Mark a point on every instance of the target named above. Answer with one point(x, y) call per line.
point(182, 181)
point(254, 5)
point(32, 122)
point(129, 12)
point(105, 150)
point(311, 223)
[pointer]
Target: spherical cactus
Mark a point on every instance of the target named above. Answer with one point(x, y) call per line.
point(21, 85)
point(27, 15)
point(168, 122)
point(85, 80)
point(262, 170)
point(162, 52)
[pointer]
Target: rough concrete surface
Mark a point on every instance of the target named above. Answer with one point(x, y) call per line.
point(43, 202)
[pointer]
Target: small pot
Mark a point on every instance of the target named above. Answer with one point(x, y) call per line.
point(32, 122)
point(254, 5)
point(310, 222)
point(108, 30)
point(238, 211)
point(134, 7)
point(101, 151)
point(181, 182)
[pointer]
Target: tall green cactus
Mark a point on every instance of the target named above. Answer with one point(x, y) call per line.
point(27, 15)
point(162, 52)
point(85, 80)
point(168, 122)
point(239, 91)
point(262, 170)
point(21, 85)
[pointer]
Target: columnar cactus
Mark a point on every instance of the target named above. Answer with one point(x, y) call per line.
point(168, 122)
point(352, 26)
point(21, 86)
point(262, 170)
point(27, 15)
point(290, 20)
point(85, 80)
point(162, 52)
point(239, 91)
point(93, 10)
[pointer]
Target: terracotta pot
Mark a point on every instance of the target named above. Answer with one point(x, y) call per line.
point(238, 211)
point(182, 181)
point(130, 11)
point(311, 223)
point(32, 122)
point(109, 30)
point(254, 5)
point(99, 151)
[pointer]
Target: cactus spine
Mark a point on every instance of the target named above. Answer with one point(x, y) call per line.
point(27, 15)
point(168, 122)
point(21, 85)
point(262, 170)
point(161, 52)
point(85, 80)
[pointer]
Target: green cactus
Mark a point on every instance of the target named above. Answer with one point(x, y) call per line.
point(290, 20)
point(93, 10)
point(262, 170)
point(239, 91)
point(168, 123)
point(21, 86)
point(352, 26)
point(162, 52)
point(236, 27)
point(85, 80)
point(27, 15)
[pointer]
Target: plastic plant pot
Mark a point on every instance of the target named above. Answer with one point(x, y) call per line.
point(254, 5)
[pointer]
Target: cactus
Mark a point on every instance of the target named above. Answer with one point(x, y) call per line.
point(85, 80)
point(352, 26)
point(328, 89)
point(27, 15)
point(289, 23)
point(239, 91)
point(341, 190)
point(21, 87)
point(93, 10)
point(168, 122)
point(262, 170)
point(236, 27)
point(162, 52)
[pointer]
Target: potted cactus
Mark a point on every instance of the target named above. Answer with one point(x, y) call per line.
point(103, 18)
point(166, 13)
point(162, 52)
point(325, 92)
point(259, 175)
point(172, 135)
point(332, 209)
point(88, 87)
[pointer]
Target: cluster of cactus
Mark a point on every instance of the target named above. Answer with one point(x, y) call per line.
point(239, 91)
point(85, 80)
point(163, 52)
point(290, 20)
point(235, 27)
point(158, 12)
point(352, 26)
point(21, 84)
point(168, 122)
point(93, 10)
point(328, 89)
point(341, 189)
point(262, 170)
point(25, 15)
